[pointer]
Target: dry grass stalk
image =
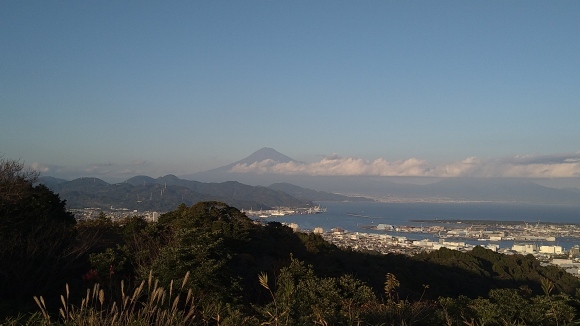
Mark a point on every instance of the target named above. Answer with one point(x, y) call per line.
point(162, 307)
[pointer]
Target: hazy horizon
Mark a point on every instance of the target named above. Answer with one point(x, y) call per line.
point(413, 90)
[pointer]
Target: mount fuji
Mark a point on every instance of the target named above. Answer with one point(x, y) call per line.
point(224, 173)
point(436, 189)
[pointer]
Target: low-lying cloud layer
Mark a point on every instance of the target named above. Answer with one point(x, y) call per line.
point(529, 166)
point(554, 166)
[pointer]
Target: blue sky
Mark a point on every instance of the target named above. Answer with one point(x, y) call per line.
point(407, 88)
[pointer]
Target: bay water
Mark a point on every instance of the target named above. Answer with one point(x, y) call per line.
point(359, 216)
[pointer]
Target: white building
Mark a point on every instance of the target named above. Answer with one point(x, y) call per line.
point(492, 247)
point(553, 250)
point(425, 243)
point(293, 226)
point(151, 216)
point(525, 248)
point(385, 227)
point(452, 245)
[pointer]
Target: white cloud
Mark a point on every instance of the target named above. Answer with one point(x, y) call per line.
point(523, 166)
point(335, 165)
point(557, 166)
point(39, 167)
point(466, 167)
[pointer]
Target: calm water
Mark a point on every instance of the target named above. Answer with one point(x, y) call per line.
point(399, 214)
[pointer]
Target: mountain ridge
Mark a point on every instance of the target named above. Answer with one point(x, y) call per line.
point(380, 188)
point(167, 192)
point(162, 195)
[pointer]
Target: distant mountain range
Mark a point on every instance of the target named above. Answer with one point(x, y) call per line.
point(253, 190)
point(167, 192)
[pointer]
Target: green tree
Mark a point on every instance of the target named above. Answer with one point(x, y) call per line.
point(201, 240)
point(302, 298)
point(38, 237)
point(15, 182)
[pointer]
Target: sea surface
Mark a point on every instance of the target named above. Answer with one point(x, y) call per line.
point(354, 216)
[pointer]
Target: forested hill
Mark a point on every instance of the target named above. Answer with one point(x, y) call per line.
point(166, 193)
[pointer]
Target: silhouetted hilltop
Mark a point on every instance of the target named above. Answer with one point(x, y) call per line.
point(140, 179)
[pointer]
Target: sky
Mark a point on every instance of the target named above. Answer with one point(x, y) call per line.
point(114, 89)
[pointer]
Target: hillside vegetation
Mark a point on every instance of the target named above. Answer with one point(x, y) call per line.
point(208, 264)
point(166, 193)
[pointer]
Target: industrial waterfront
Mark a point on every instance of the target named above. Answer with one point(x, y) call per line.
point(424, 228)
point(496, 225)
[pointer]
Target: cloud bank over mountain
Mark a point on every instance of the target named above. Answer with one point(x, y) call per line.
point(528, 166)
